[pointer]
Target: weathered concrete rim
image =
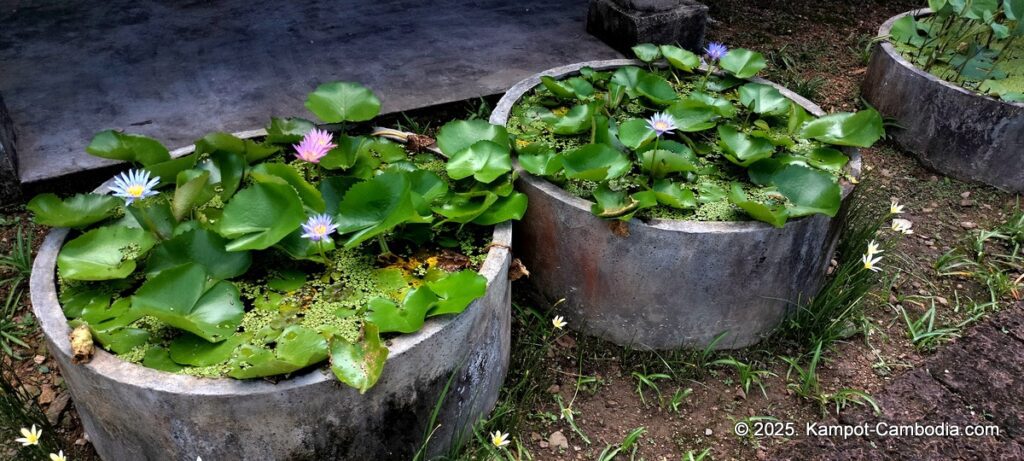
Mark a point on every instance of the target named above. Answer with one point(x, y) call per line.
point(47, 309)
point(887, 46)
point(503, 109)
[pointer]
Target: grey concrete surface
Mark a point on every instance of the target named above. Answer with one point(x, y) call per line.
point(177, 70)
point(625, 23)
point(10, 189)
point(135, 413)
point(668, 284)
point(952, 130)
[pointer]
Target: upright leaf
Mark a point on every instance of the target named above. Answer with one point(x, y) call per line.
point(337, 102)
point(359, 364)
point(77, 211)
point(860, 129)
point(128, 147)
point(743, 63)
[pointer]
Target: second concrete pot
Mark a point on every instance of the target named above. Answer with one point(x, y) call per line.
point(667, 284)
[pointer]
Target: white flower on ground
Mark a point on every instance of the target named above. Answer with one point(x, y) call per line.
point(870, 262)
point(559, 322)
point(895, 207)
point(29, 436)
point(58, 456)
point(134, 185)
point(902, 226)
point(873, 249)
point(498, 439)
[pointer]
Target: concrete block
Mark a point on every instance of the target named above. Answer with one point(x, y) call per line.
point(624, 23)
point(10, 187)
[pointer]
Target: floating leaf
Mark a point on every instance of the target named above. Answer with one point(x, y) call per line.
point(189, 349)
point(460, 134)
point(338, 102)
point(360, 364)
point(539, 159)
point(283, 173)
point(656, 89)
point(577, 120)
point(743, 63)
point(635, 132)
point(288, 130)
point(158, 358)
point(810, 191)
point(774, 216)
point(128, 147)
point(407, 318)
point(456, 291)
point(202, 247)
point(660, 162)
point(511, 207)
point(673, 194)
point(484, 160)
point(679, 58)
point(595, 162)
point(376, 206)
point(77, 211)
point(179, 297)
point(333, 189)
point(573, 88)
point(106, 253)
point(763, 99)
point(628, 77)
point(297, 347)
point(467, 206)
point(260, 216)
point(860, 129)
point(647, 52)
point(692, 117)
point(742, 149)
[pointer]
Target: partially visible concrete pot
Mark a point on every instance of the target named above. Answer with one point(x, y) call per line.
point(135, 413)
point(953, 130)
point(668, 284)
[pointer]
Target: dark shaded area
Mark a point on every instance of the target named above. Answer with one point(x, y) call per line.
point(177, 70)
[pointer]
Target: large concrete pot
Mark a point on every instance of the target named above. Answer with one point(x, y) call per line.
point(135, 413)
point(955, 131)
point(668, 284)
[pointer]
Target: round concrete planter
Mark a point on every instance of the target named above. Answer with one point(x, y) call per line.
point(952, 130)
point(668, 284)
point(135, 413)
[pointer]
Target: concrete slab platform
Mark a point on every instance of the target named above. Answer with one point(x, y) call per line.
point(177, 70)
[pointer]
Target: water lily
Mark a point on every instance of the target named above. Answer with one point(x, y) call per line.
point(902, 226)
point(314, 146)
point(319, 227)
point(895, 207)
point(58, 456)
point(498, 439)
point(870, 262)
point(661, 123)
point(134, 185)
point(716, 51)
point(29, 436)
point(873, 249)
point(559, 322)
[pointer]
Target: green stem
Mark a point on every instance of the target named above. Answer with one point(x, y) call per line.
point(323, 254)
point(383, 245)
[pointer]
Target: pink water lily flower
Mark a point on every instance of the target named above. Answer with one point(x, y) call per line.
point(314, 146)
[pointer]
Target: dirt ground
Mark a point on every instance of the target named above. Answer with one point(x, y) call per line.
point(818, 49)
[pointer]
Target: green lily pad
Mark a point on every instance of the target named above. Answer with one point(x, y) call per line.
point(375, 206)
point(811, 191)
point(460, 134)
point(128, 147)
point(679, 58)
point(77, 211)
point(539, 159)
point(283, 173)
point(105, 253)
point(673, 194)
point(656, 89)
point(483, 160)
point(297, 347)
point(860, 129)
point(338, 102)
point(510, 207)
point(199, 246)
point(260, 216)
point(743, 63)
point(775, 216)
point(741, 148)
point(595, 162)
point(635, 132)
point(456, 291)
point(647, 52)
point(193, 189)
point(763, 99)
point(288, 130)
point(578, 120)
point(189, 349)
point(359, 364)
point(180, 298)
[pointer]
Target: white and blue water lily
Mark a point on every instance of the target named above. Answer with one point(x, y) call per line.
point(319, 227)
point(134, 185)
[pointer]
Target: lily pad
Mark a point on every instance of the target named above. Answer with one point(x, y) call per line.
point(456, 291)
point(359, 364)
point(260, 216)
point(860, 129)
point(484, 160)
point(199, 246)
point(179, 297)
point(128, 147)
point(338, 102)
point(595, 162)
point(77, 211)
point(105, 253)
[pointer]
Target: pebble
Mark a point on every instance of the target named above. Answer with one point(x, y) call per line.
point(968, 225)
point(554, 389)
point(708, 432)
point(967, 203)
point(941, 300)
point(965, 194)
point(558, 440)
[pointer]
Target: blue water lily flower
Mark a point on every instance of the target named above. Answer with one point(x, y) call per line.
point(134, 185)
point(319, 227)
point(661, 123)
point(716, 51)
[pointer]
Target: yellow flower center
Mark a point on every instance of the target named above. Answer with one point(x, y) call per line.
point(661, 126)
point(135, 191)
point(320, 229)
